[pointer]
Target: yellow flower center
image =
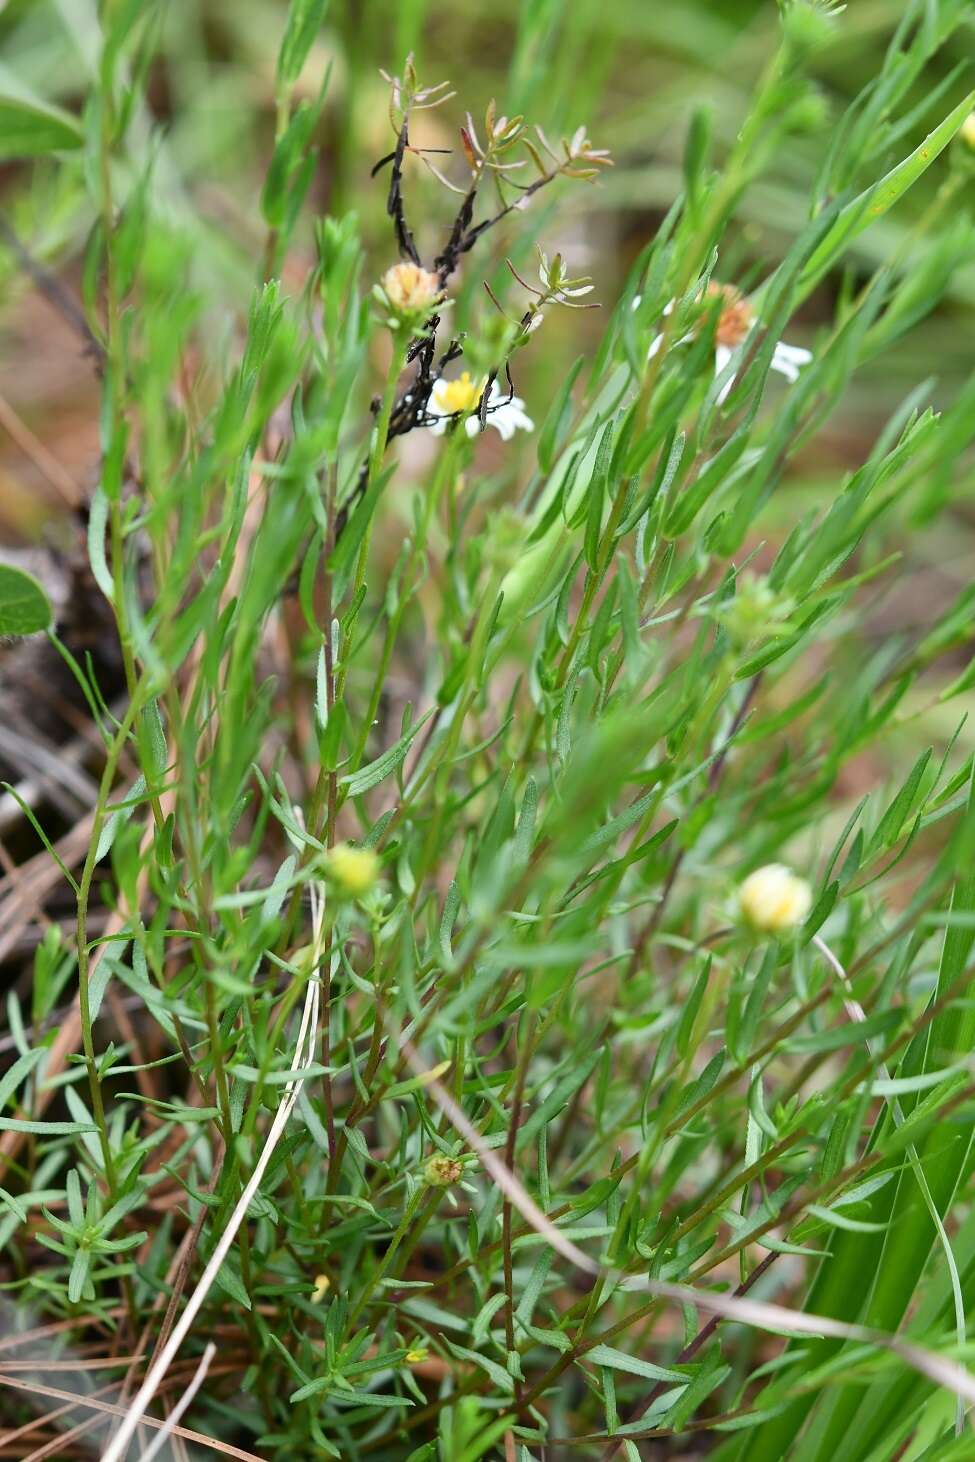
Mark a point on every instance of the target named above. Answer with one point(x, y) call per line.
point(460, 395)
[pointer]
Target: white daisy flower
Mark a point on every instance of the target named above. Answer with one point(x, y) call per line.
point(735, 322)
point(450, 398)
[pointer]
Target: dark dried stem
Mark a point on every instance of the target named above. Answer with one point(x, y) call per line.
point(395, 206)
point(53, 291)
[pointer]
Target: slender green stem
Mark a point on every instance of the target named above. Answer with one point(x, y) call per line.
point(382, 1268)
point(101, 814)
point(377, 451)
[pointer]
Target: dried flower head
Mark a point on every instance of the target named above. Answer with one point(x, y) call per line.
point(575, 158)
point(501, 134)
point(558, 285)
point(774, 900)
point(406, 94)
point(355, 870)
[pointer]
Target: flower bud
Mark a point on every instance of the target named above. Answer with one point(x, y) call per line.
point(355, 870)
point(441, 1171)
point(809, 23)
point(966, 132)
point(756, 612)
point(774, 900)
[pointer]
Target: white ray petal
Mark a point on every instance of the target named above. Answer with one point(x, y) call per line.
point(788, 360)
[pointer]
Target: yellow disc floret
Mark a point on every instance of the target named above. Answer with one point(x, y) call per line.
point(736, 317)
point(455, 396)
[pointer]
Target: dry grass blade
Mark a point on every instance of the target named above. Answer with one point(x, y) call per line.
point(303, 1054)
point(226, 1449)
point(181, 1406)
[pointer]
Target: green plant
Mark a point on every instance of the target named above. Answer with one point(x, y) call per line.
point(461, 1104)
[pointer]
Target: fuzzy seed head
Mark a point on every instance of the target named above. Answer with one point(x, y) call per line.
point(774, 900)
point(410, 290)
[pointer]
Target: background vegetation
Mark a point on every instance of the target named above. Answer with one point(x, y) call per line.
point(429, 768)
